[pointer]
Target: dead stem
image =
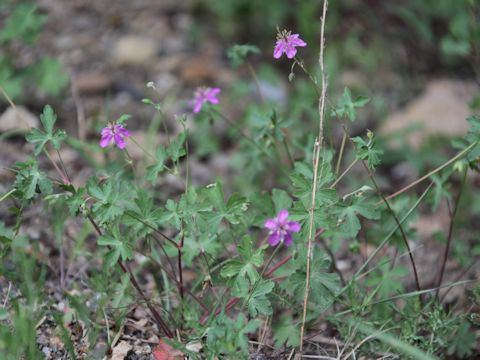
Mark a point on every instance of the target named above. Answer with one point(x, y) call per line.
point(318, 145)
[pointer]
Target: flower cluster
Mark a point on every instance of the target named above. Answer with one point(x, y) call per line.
point(281, 229)
point(286, 43)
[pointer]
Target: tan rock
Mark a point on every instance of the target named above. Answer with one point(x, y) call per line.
point(441, 109)
point(134, 50)
point(121, 350)
point(17, 119)
point(92, 82)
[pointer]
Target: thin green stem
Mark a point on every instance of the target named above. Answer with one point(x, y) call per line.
point(160, 245)
point(245, 136)
point(349, 167)
point(299, 62)
point(287, 150)
point(402, 232)
point(433, 172)
point(255, 80)
point(63, 166)
point(262, 98)
point(261, 274)
point(5, 196)
point(390, 234)
point(126, 269)
point(173, 277)
point(63, 176)
point(153, 228)
point(340, 155)
point(130, 162)
point(407, 295)
point(142, 148)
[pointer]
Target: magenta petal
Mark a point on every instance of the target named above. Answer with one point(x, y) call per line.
point(198, 106)
point(296, 41)
point(274, 239)
point(293, 226)
point(290, 51)
point(213, 100)
point(119, 141)
point(124, 132)
point(288, 239)
point(214, 92)
point(106, 140)
point(270, 224)
point(106, 131)
point(299, 42)
point(211, 95)
point(282, 216)
point(279, 49)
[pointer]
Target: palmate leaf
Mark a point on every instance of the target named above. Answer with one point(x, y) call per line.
point(50, 75)
point(233, 210)
point(207, 243)
point(302, 180)
point(120, 248)
point(321, 219)
point(472, 137)
point(155, 169)
point(346, 106)
point(142, 215)
point(41, 138)
point(75, 201)
point(258, 302)
point(6, 239)
point(172, 213)
point(237, 54)
point(368, 150)
point(229, 336)
point(281, 200)
point(176, 150)
point(246, 266)
point(348, 214)
point(387, 280)
point(30, 180)
point(113, 197)
point(24, 22)
point(286, 332)
point(324, 285)
point(463, 343)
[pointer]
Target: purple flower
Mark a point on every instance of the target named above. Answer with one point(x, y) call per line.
point(280, 229)
point(114, 133)
point(203, 95)
point(286, 43)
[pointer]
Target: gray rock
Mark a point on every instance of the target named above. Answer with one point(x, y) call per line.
point(17, 119)
point(441, 109)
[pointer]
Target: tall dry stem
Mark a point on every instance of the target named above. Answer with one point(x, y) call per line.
point(316, 160)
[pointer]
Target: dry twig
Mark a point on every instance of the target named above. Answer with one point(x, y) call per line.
point(316, 157)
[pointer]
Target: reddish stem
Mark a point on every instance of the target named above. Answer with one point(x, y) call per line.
point(160, 322)
point(233, 301)
point(277, 265)
point(180, 270)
